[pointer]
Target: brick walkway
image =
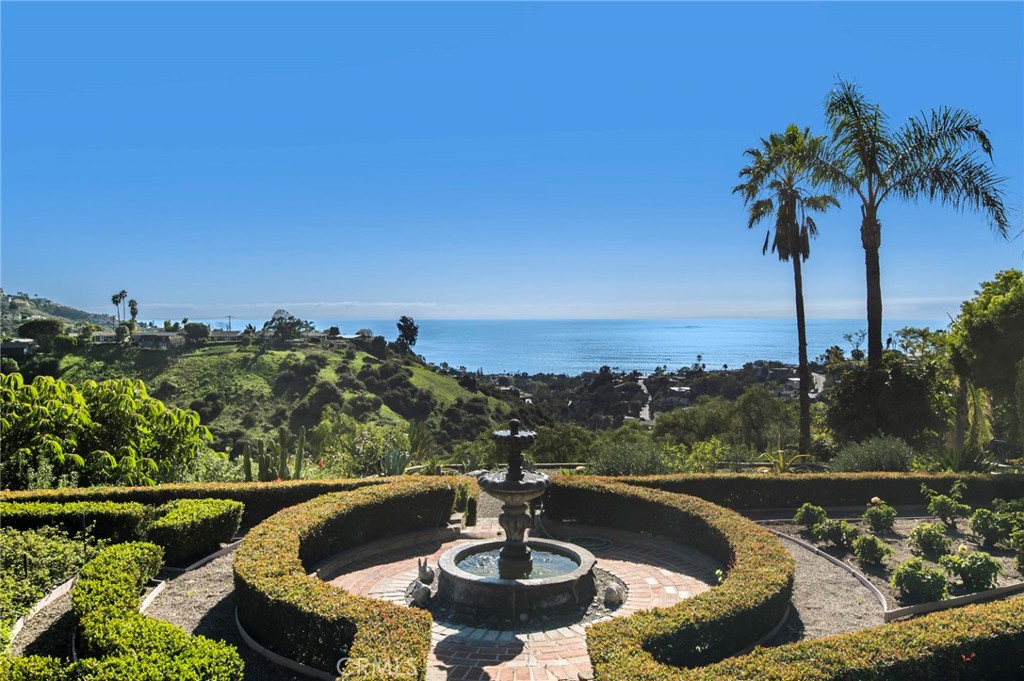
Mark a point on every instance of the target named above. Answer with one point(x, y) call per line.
point(657, 573)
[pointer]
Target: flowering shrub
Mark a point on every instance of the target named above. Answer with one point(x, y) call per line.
point(879, 516)
point(918, 584)
point(930, 539)
point(976, 569)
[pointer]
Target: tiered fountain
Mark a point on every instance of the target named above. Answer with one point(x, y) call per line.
point(518, 576)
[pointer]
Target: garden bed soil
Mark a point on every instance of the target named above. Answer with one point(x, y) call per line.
point(898, 541)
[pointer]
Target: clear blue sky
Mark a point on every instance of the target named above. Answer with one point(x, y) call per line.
point(464, 160)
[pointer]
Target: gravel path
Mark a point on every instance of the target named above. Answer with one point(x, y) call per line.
point(48, 632)
point(203, 602)
point(826, 600)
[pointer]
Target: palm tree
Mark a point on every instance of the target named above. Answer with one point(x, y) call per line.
point(116, 299)
point(932, 155)
point(779, 182)
point(133, 309)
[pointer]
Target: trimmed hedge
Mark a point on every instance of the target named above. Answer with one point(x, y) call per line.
point(261, 499)
point(119, 522)
point(129, 645)
point(192, 528)
point(749, 491)
point(973, 642)
point(748, 603)
point(307, 620)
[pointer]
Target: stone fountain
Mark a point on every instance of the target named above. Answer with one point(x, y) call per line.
point(517, 576)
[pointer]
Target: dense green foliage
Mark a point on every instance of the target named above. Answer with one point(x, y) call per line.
point(881, 453)
point(977, 570)
point(111, 432)
point(917, 583)
point(192, 528)
point(930, 539)
point(880, 516)
point(870, 549)
point(304, 618)
point(836, 532)
point(751, 599)
point(810, 515)
point(119, 522)
point(32, 562)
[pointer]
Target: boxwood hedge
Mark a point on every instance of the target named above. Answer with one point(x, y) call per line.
point(305, 619)
point(118, 522)
point(749, 490)
point(192, 528)
point(749, 602)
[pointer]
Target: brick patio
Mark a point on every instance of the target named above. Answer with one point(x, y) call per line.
point(657, 573)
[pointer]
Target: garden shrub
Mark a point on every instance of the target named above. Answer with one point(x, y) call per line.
point(837, 532)
point(871, 550)
point(993, 528)
point(976, 642)
point(1017, 542)
point(930, 539)
point(192, 528)
point(917, 583)
point(126, 643)
point(748, 603)
point(118, 522)
point(305, 619)
point(880, 516)
point(976, 569)
point(628, 458)
point(752, 490)
point(810, 515)
point(947, 507)
point(884, 453)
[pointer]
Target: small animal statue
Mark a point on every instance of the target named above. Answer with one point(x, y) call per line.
point(426, 573)
point(420, 595)
point(613, 596)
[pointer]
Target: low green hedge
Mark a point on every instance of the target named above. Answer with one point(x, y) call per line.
point(749, 602)
point(752, 490)
point(192, 528)
point(261, 499)
point(119, 522)
point(127, 644)
point(305, 619)
point(974, 642)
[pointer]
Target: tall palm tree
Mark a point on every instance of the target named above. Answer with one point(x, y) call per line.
point(133, 309)
point(933, 155)
point(779, 182)
point(116, 299)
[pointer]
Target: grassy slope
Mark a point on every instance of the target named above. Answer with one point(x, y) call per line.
point(242, 378)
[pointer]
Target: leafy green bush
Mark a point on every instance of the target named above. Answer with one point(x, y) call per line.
point(947, 507)
point(32, 562)
point(930, 539)
point(976, 569)
point(119, 522)
point(810, 515)
point(837, 532)
point(880, 516)
point(870, 549)
point(307, 620)
point(192, 528)
point(746, 605)
point(993, 528)
point(104, 604)
point(883, 453)
point(918, 584)
point(1017, 542)
point(628, 458)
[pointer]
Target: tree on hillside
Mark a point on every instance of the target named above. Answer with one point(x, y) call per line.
point(933, 155)
point(117, 299)
point(408, 331)
point(42, 331)
point(197, 332)
point(285, 326)
point(778, 183)
point(133, 310)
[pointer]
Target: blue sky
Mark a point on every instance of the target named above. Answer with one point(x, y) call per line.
point(471, 160)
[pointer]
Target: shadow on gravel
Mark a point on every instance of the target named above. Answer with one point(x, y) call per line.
point(55, 640)
point(793, 630)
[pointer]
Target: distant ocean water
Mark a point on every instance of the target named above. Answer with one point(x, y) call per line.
point(574, 346)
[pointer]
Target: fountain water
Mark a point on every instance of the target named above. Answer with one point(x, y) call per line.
point(518, 575)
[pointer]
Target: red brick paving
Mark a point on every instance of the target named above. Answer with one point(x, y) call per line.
point(657, 572)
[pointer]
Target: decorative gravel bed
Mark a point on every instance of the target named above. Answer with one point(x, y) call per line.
point(48, 632)
point(897, 540)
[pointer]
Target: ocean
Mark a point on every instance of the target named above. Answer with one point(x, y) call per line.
point(574, 346)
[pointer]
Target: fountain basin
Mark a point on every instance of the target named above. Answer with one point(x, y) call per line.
point(477, 594)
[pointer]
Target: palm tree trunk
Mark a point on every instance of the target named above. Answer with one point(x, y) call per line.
point(871, 238)
point(805, 378)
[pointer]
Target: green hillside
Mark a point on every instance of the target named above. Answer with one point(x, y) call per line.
point(244, 392)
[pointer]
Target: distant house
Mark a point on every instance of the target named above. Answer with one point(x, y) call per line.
point(104, 338)
point(17, 348)
point(157, 340)
point(222, 335)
